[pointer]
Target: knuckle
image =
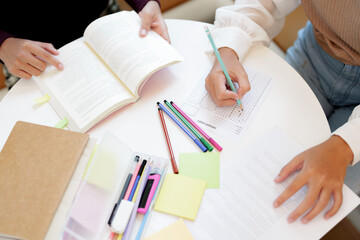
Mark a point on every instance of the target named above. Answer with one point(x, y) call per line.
point(26, 44)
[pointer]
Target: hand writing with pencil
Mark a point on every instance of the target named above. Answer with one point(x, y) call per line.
point(216, 84)
point(322, 169)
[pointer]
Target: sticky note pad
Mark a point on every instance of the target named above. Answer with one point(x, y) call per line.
point(180, 195)
point(175, 231)
point(205, 166)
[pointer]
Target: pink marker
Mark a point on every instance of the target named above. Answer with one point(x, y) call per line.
point(215, 144)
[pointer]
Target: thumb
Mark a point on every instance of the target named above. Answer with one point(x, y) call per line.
point(295, 164)
point(146, 20)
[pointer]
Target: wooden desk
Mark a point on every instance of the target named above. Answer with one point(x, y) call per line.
point(290, 105)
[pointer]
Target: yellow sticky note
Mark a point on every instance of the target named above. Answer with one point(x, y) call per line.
point(175, 231)
point(180, 196)
point(102, 172)
point(42, 99)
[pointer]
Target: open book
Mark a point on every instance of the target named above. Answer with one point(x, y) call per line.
point(104, 70)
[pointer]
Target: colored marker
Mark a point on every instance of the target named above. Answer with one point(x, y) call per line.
point(206, 144)
point(215, 144)
point(217, 54)
point(172, 156)
point(200, 145)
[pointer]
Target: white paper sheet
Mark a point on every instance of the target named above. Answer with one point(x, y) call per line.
point(229, 121)
point(242, 207)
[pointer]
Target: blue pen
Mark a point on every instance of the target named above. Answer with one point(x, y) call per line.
point(217, 54)
point(137, 180)
point(200, 145)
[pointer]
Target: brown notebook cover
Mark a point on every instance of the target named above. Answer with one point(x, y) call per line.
point(36, 165)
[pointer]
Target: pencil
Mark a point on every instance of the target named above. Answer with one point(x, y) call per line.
point(197, 142)
point(172, 157)
point(206, 144)
point(215, 144)
point(217, 54)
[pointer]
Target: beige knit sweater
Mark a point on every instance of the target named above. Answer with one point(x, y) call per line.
point(336, 27)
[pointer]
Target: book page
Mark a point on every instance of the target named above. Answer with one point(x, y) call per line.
point(228, 121)
point(242, 207)
point(115, 38)
point(86, 90)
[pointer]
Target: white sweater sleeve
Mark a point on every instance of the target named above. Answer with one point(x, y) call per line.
point(246, 22)
point(350, 132)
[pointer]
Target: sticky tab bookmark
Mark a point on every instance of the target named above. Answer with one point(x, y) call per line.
point(42, 99)
point(63, 123)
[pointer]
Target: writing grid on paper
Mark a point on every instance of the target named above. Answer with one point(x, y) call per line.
point(227, 121)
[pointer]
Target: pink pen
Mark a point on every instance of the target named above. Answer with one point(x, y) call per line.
point(131, 184)
point(215, 144)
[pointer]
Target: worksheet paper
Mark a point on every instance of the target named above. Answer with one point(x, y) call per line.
point(242, 207)
point(229, 121)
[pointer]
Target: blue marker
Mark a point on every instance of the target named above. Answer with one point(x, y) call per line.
point(137, 180)
point(200, 145)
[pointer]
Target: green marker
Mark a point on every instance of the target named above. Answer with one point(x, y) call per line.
point(207, 145)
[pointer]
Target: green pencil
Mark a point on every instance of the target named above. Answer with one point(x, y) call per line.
point(217, 54)
point(207, 145)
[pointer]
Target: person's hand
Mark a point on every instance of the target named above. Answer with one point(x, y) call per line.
point(151, 18)
point(322, 169)
point(25, 58)
point(216, 83)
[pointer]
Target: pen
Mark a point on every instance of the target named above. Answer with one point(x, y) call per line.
point(137, 180)
point(200, 145)
point(215, 144)
point(131, 184)
point(172, 157)
point(123, 192)
point(206, 144)
point(130, 225)
point(217, 54)
point(120, 198)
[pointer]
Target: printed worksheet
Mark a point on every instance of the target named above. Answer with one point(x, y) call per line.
point(227, 121)
point(242, 207)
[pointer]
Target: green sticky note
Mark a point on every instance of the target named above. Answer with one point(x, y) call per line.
point(180, 196)
point(205, 166)
point(63, 123)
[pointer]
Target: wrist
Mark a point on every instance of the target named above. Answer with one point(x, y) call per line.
point(342, 148)
point(226, 52)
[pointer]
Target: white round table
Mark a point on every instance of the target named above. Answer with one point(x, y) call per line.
point(290, 105)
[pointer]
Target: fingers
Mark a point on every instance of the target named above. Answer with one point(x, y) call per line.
point(243, 82)
point(46, 52)
point(295, 164)
point(215, 85)
point(146, 20)
point(162, 31)
point(306, 204)
point(338, 199)
point(290, 190)
point(324, 198)
point(151, 18)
